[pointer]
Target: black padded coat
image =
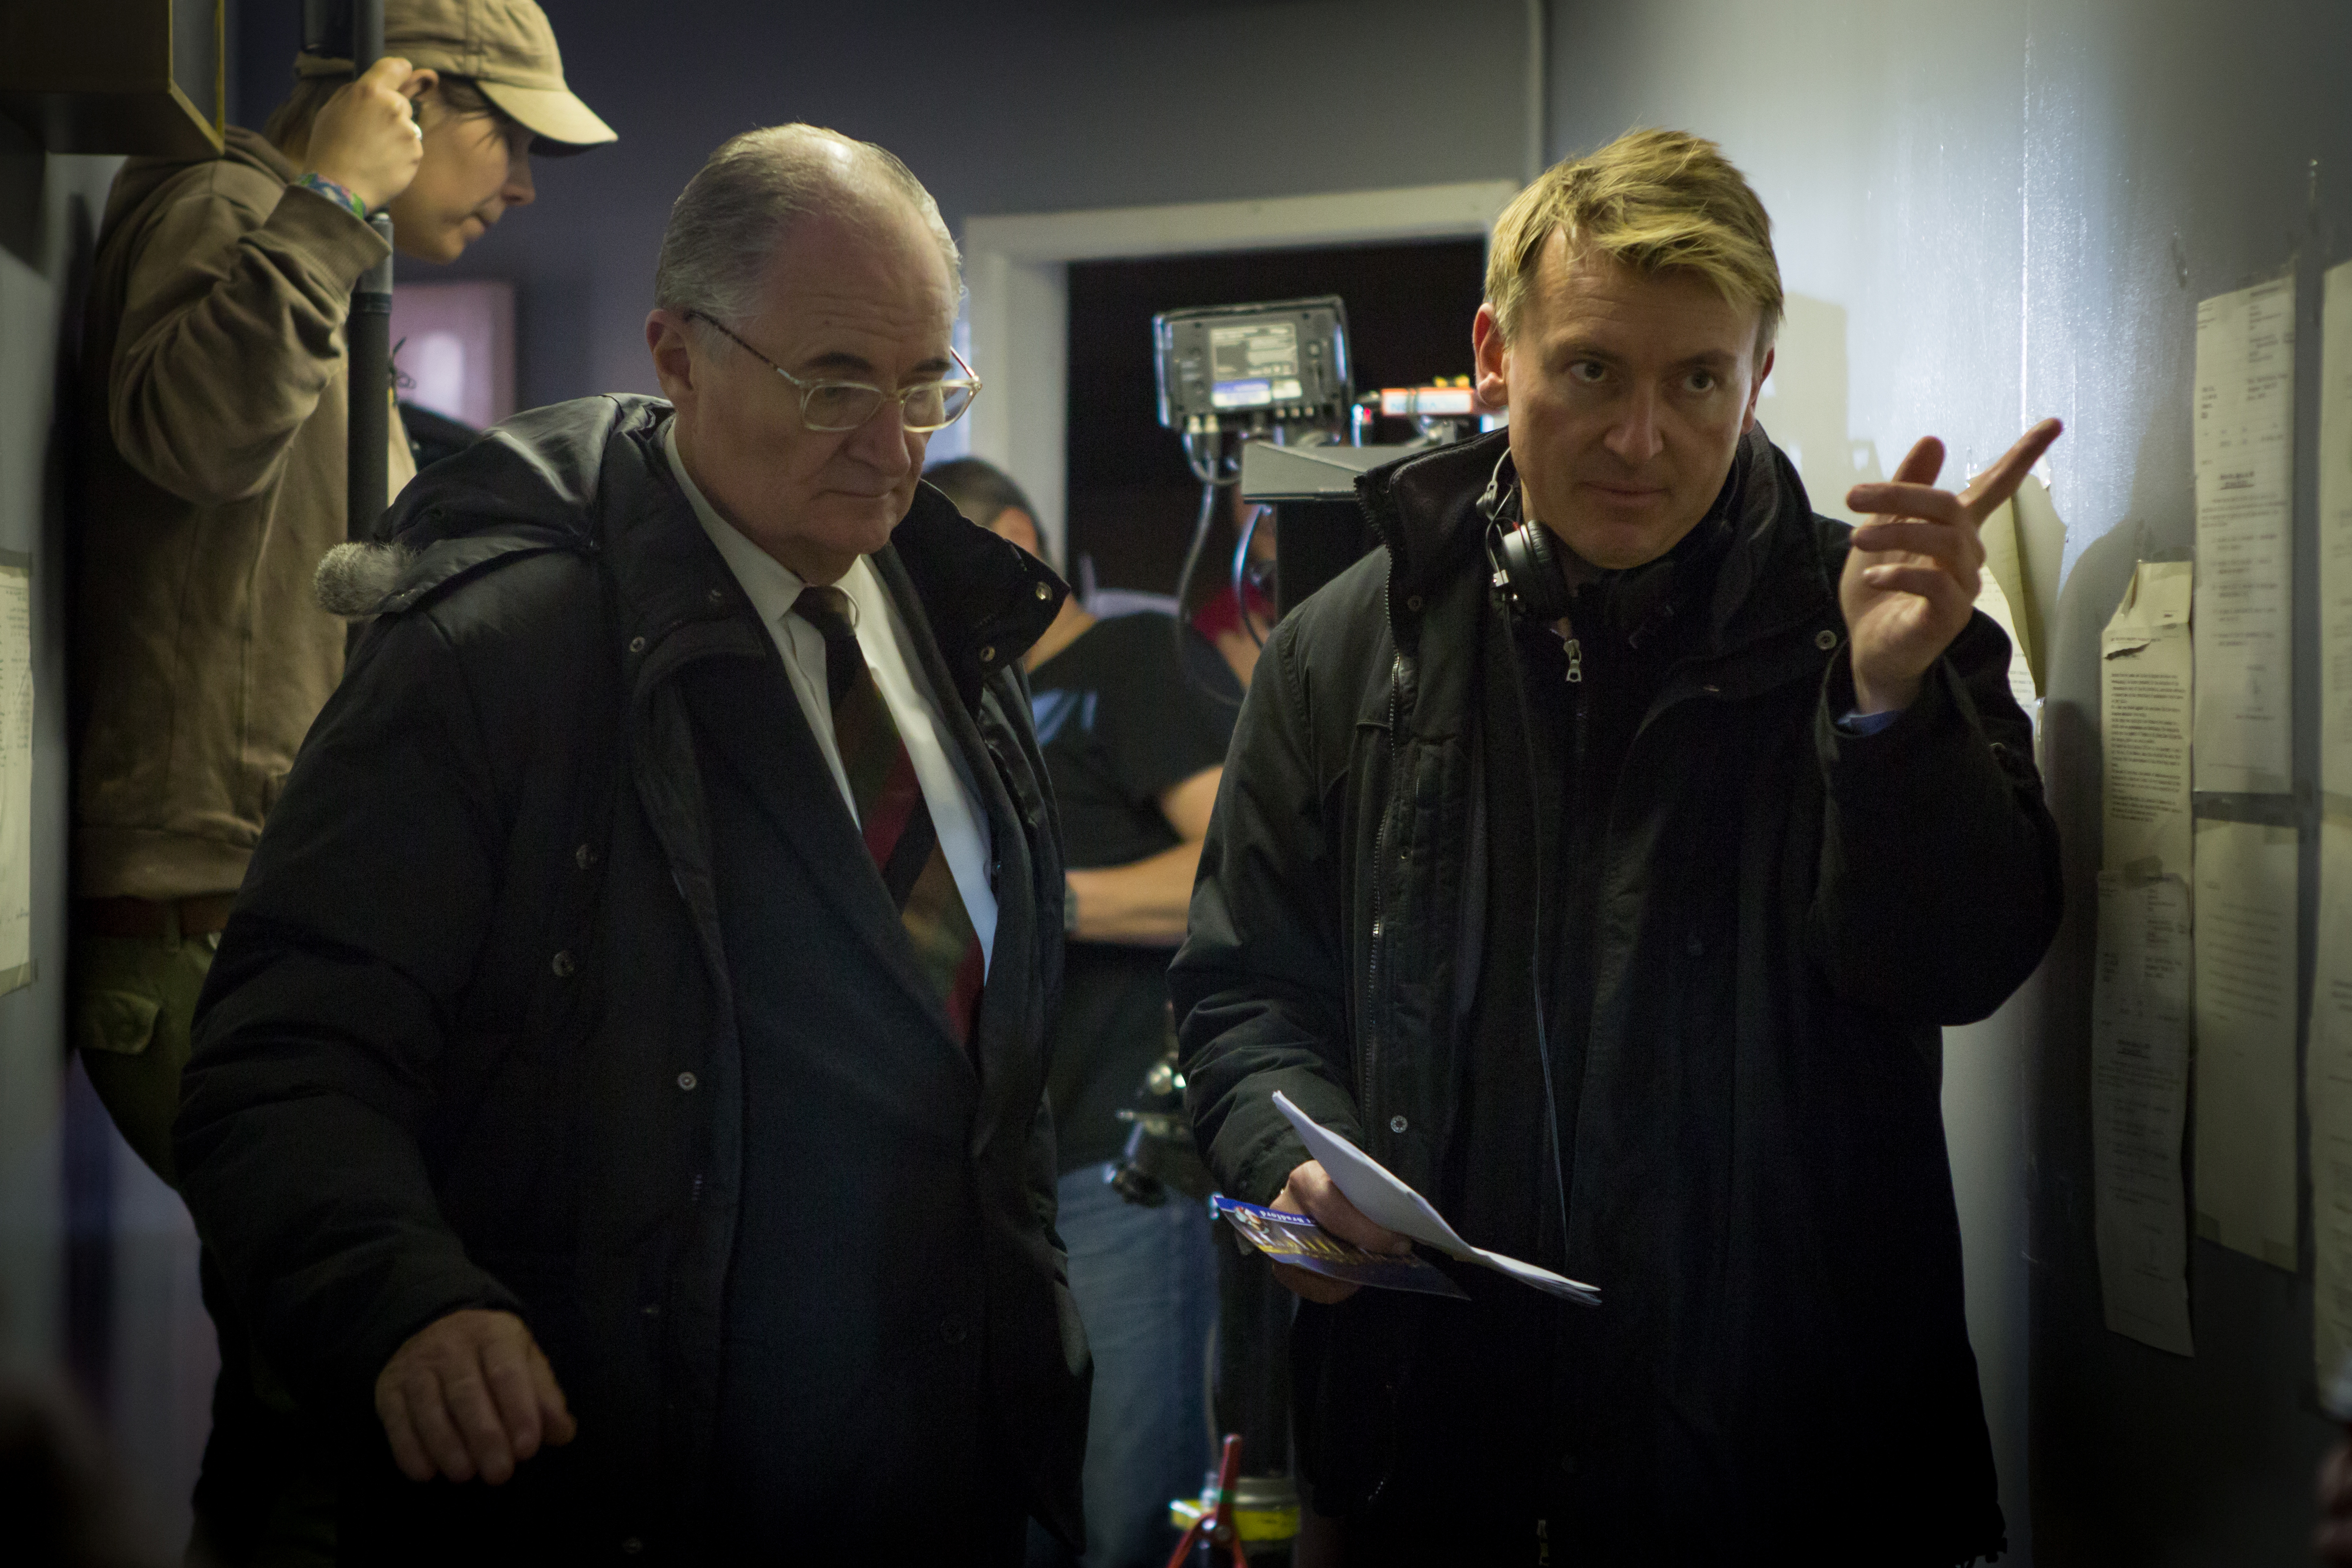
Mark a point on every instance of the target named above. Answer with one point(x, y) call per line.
point(470, 1040)
point(1759, 1180)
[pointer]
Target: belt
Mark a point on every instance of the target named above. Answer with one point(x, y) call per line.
point(146, 917)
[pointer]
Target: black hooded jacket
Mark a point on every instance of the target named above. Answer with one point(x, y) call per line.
point(471, 1037)
point(1781, 917)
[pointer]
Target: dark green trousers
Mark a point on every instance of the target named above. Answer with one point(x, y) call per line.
point(265, 1497)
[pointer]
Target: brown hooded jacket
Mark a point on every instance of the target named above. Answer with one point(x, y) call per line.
point(215, 412)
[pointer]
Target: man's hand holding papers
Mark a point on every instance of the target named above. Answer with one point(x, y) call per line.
point(1355, 1198)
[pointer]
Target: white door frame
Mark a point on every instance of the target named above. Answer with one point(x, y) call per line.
point(1017, 268)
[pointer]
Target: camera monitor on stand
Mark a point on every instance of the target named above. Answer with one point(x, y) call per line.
point(1253, 368)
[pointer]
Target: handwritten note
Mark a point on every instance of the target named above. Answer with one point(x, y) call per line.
point(2245, 496)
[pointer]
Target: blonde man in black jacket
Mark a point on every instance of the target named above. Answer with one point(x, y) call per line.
point(1604, 854)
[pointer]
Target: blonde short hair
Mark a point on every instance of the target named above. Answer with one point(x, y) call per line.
point(1652, 201)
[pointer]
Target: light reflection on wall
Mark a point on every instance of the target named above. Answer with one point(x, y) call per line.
point(1986, 214)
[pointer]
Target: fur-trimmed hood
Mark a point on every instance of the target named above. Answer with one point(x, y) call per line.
point(592, 477)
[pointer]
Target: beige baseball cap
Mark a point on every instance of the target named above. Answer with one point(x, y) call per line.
point(507, 50)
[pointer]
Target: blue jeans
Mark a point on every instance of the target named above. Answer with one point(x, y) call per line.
point(1146, 1284)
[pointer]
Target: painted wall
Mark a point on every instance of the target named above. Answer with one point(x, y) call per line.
point(1988, 214)
point(98, 1273)
point(1030, 106)
point(45, 206)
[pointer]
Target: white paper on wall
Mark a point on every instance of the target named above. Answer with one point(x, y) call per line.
point(2335, 534)
point(2328, 1095)
point(1996, 604)
point(2146, 670)
point(2245, 1018)
point(2139, 1106)
point(16, 771)
point(2245, 492)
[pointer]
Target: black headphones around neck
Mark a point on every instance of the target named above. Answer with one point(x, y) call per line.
point(1527, 576)
point(1524, 562)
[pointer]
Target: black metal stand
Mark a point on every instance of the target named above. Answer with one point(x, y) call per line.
point(333, 29)
point(1251, 1397)
point(368, 348)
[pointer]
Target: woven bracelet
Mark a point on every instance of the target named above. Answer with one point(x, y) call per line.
point(335, 193)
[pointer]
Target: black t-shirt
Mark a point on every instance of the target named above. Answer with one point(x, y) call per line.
point(1121, 723)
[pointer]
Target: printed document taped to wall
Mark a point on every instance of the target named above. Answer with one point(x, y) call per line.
point(2244, 421)
point(2139, 1106)
point(2327, 1089)
point(2336, 539)
point(16, 771)
point(2146, 677)
point(2245, 1017)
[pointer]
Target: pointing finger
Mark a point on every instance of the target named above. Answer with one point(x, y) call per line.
point(1999, 482)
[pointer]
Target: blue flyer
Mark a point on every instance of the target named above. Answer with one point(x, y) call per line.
point(1295, 1240)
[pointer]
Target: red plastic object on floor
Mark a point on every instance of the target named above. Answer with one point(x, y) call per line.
point(1217, 1525)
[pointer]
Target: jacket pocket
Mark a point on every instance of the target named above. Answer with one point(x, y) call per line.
point(122, 1023)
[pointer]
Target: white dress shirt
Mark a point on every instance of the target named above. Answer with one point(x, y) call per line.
point(947, 789)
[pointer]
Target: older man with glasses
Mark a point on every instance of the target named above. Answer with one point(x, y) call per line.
point(618, 1099)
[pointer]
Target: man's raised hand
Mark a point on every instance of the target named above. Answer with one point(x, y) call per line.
point(1911, 579)
point(1311, 1191)
point(470, 1395)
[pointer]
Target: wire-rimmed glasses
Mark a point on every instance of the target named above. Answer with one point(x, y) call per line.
point(848, 404)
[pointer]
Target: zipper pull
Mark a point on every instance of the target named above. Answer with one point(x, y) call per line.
point(1575, 661)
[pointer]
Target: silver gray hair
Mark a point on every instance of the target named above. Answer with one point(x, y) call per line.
point(725, 227)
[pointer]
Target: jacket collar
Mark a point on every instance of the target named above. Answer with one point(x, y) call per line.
point(592, 475)
point(1774, 569)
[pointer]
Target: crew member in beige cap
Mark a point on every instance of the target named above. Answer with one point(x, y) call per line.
point(217, 422)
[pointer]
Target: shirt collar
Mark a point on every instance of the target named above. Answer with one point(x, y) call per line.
point(771, 586)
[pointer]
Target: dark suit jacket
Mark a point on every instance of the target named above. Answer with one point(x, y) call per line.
point(477, 1034)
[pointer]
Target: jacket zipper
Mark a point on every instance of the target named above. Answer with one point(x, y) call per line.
point(1579, 746)
point(1367, 1086)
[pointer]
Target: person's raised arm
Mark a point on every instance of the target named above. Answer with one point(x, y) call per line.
point(233, 312)
point(1939, 886)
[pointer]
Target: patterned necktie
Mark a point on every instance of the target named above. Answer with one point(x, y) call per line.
point(893, 815)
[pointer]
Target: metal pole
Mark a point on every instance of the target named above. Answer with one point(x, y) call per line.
point(368, 334)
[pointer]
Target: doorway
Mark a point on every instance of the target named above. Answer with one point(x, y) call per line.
point(1130, 502)
point(1018, 269)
